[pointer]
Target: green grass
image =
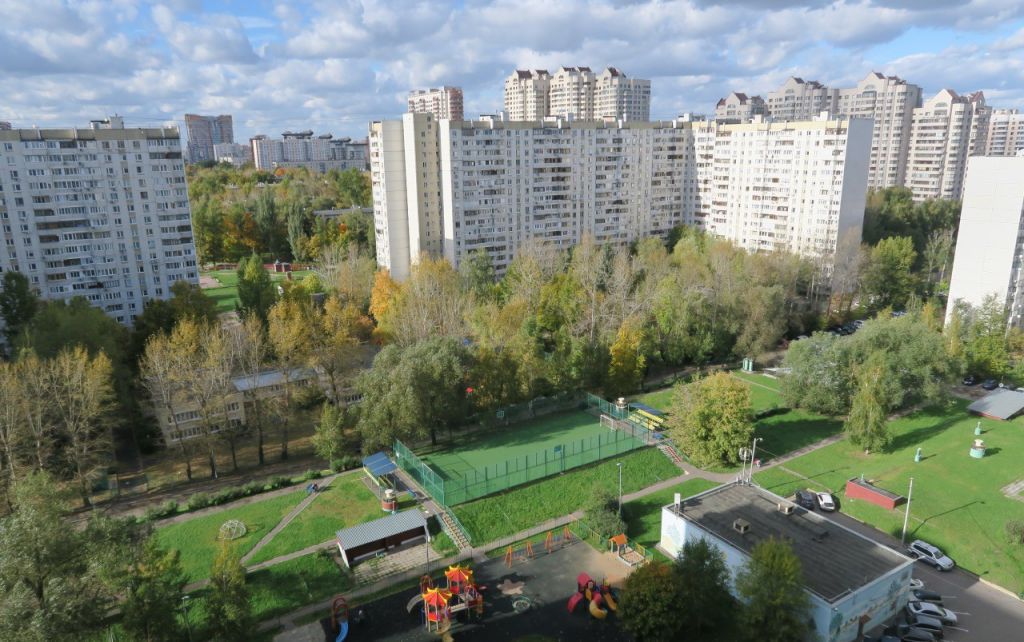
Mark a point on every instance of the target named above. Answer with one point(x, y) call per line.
point(346, 502)
point(764, 393)
point(293, 584)
point(197, 541)
point(643, 516)
point(495, 447)
point(957, 503)
point(226, 296)
point(498, 516)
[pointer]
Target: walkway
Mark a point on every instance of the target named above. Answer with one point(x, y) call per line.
point(310, 498)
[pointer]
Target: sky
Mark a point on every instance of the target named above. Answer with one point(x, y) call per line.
point(333, 66)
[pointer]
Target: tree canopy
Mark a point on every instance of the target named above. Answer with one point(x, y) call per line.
point(711, 419)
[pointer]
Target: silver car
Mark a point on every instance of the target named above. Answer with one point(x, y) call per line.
point(922, 550)
point(929, 609)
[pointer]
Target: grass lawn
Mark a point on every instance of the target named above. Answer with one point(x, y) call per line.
point(293, 584)
point(643, 516)
point(764, 393)
point(346, 502)
point(498, 516)
point(197, 541)
point(957, 503)
point(226, 296)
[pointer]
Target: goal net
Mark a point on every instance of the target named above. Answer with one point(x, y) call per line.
point(608, 422)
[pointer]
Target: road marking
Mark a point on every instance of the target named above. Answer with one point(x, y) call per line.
point(956, 628)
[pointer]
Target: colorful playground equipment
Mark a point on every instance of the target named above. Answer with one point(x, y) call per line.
point(339, 617)
point(439, 604)
point(554, 540)
point(596, 595)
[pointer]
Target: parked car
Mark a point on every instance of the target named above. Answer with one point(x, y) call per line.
point(916, 584)
point(922, 595)
point(930, 624)
point(806, 499)
point(909, 633)
point(922, 550)
point(881, 638)
point(941, 614)
point(826, 502)
point(989, 384)
point(970, 380)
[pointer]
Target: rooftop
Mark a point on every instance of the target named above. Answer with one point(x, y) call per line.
point(381, 528)
point(1001, 403)
point(836, 560)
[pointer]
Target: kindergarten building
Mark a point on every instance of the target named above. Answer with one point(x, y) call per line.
point(853, 583)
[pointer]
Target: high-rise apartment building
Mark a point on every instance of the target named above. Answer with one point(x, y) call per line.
point(449, 188)
point(100, 213)
point(739, 108)
point(990, 241)
point(4, 125)
point(1005, 133)
point(206, 131)
point(799, 99)
point(235, 153)
point(576, 92)
point(302, 149)
point(944, 131)
point(443, 102)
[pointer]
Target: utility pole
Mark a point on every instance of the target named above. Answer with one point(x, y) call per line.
point(906, 515)
point(619, 464)
point(753, 458)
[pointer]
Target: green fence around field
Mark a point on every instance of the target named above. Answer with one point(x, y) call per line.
point(424, 475)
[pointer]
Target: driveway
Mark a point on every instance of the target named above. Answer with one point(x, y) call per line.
point(985, 613)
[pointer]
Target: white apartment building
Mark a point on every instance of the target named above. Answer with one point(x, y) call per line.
point(739, 108)
point(990, 243)
point(443, 102)
point(577, 93)
point(799, 99)
point(302, 149)
point(943, 134)
point(1005, 133)
point(234, 153)
point(101, 213)
point(766, 186)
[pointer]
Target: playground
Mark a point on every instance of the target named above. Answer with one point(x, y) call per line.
point(222, 286)
point(529, 599)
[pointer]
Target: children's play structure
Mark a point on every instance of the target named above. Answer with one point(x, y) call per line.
point(339, 618)
point(597, 596)
point(554, 540)
point(461, 595)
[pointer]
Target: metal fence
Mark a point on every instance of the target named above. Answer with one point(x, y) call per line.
point(587, 533)
point(420, 471)
point(527, 410)
point(606, 407)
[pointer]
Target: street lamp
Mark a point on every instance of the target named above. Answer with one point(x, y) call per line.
point(619, 465)
point(184, 608)
point(753, 458)
point(906, 515)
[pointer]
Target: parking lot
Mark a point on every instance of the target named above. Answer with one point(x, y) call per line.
point(984, 613)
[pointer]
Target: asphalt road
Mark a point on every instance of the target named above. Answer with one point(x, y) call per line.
point(984, 613)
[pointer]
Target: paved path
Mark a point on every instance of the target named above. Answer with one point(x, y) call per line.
point(310, 498)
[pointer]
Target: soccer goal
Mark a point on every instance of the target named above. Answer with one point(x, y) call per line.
point(608, 422)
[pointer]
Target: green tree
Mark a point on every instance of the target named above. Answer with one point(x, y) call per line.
point(888, 280)
point(650, 607)
point(711, 419)
point(160, 315)
point(771, 586)
point(477, 271)
point(329, 436)
point(354, 188)
point(986, 348)
point(866, 426)
point(704, 588)
point(228, 609)
point(256, 292)
point(628, 363)
point(602, 512)
point(154, 588)
point(18, 303)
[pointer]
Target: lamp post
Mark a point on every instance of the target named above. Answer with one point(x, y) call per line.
point(753, 458)
point(184, 608)
point(906, 515)
point(619, 465)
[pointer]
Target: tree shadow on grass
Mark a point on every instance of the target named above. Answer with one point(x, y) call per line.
point(918, 435)
point(783, 437)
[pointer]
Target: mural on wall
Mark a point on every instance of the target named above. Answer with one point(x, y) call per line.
point(886, 604)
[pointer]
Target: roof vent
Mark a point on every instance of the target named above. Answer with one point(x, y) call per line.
point(786, 508)
point(741, 526)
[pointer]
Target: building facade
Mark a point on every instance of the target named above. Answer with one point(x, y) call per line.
point(206, 131)
point(799, 99)
point(1005, 133)
point(990, 241)
point(946, 130)
point(100, 213)
point(302, 149)
point(577, 93)
point(852, 583)
point(739, 108)
point(443, 102)
point(450, 188)
point(234, 153)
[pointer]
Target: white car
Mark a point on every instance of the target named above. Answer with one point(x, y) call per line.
point(928, 609)
point(916, 584)
point(922, 550)
point(826, 502)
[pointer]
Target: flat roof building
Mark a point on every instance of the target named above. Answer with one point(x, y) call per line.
point(442, 102)
point(853, 583)
point(365, 540)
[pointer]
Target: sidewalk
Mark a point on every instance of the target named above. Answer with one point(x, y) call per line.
point(310, 498)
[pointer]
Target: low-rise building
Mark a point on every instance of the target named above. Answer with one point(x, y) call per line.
point(853, 584)
point(234, 153)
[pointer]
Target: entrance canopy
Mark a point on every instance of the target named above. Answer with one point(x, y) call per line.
point(379, 464)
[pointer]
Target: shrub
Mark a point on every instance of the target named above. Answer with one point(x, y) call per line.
point(1015, 531)
point(225, 496)
point(167, 509)
point(345, 462)
point(198, 500)
point(277, 481)
point(252, 488)
point(311, 474)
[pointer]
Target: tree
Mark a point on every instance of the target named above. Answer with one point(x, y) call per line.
point(329, 436)
point(477, 271)
point(431, 303)
point(628, 363)
point(888, 280)
point(155, 585)
point(650, 606)
point(333, 335)
point(250, 352)
point(383, 294)
point(229, 612)
point(866, 425)
point(18, 303)
point(711, 419)
point(704, 589)
point(287, 331)
point(40, 426)
point(771, 586)
point(602, 512)
point(160, 373)
point(11, 428)
point(256, 292)
point(986, 348)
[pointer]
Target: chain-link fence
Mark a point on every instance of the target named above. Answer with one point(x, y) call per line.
point(424, 475)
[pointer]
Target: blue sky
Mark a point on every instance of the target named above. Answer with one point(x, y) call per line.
point(332, 66)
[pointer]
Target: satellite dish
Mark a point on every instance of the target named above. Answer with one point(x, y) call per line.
point(745, 454)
